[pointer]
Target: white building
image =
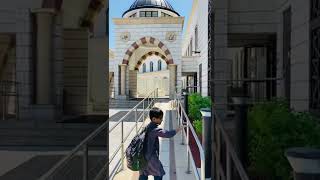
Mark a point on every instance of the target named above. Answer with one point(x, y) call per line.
point(195, 49)
point(147, 29)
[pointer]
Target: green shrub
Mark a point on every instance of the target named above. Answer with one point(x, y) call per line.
point(273, 128)
point(196, 102)
point(197, 124)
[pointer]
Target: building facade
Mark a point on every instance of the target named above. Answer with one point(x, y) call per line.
point(269, 47)
point(195, 49)
point(52, 52)
point(147, 28)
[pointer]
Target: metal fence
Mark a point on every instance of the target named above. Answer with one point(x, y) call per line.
point(61, 170)
point(227, 165)
point(183, 119)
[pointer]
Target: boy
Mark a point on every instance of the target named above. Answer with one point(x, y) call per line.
point(154, 166)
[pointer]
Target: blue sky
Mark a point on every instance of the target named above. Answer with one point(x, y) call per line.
point(117, 7)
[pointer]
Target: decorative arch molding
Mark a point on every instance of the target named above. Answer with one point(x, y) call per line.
point(148, 40)
point(151, 53)
point(94, 8)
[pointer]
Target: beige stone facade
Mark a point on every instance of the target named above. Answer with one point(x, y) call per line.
point(140, 37)
point(59, 51)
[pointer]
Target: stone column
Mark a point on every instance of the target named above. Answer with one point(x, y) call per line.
point(133, 87)
point(172, 79)
point(44, 63)
point(123, 71)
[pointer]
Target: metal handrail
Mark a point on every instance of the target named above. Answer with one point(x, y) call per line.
point(233, 163)
point(181, 115)
point(83, 145)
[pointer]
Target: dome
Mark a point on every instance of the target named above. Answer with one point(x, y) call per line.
point(161, 4)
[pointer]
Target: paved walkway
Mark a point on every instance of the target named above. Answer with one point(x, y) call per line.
point(173, 155)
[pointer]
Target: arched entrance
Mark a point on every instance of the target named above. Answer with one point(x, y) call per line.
point(134, 57)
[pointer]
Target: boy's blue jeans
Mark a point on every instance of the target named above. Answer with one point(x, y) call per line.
point(143, 177)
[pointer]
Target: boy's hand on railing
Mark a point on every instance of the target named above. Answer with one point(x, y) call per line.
point(180, 128)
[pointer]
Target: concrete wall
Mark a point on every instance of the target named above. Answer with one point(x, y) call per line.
point(97, 75)
point(189, 64)
point(258, 16)
point(76, 71)
point(17, 21)
point(250, 16)
point(300, 45)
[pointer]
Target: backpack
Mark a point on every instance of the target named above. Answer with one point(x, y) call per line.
point(135, 151)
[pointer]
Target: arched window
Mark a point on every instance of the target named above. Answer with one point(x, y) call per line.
point(151, 66)
point(159, 65)
point(144, 68)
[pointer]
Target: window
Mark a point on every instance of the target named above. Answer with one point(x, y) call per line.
point(151, 66)
point(148, 13)
point(133, 15)
point(190, 47)
point(144, 68)
point(159, 65)
point(154, 13)
point(165, 15)
point(196, 38)
point(142, 14)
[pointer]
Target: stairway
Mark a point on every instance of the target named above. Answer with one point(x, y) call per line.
point(123, 104)
point(46, 134)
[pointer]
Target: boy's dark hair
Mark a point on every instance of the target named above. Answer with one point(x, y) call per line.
point(155, 113)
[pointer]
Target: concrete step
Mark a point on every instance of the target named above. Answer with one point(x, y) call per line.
point(46, 135)
point(39, 165)
point(124, 104)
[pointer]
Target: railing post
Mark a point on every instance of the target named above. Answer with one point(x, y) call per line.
point(188, 152)
point(143, 118)
point(157, 93)
point(229, 168)
point(182, 136)
point(217, 158)
point(85, 162)
point(135, 117)
point(122, 147)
